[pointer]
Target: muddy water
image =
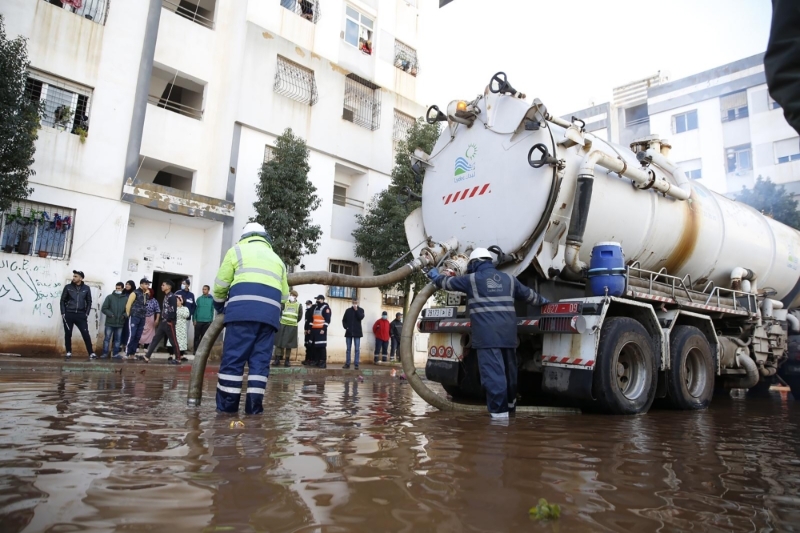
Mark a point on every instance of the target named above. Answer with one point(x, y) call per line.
point(102, 451)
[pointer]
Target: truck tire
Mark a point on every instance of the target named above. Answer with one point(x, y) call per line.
point(690, 379)
point(624, 381)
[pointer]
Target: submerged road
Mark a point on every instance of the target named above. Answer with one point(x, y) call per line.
point(87, 447)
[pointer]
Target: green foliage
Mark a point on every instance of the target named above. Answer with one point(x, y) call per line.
point(20, 121)
point(545, 511)
point(380, 236)
point(773, 201)
point(286, 199)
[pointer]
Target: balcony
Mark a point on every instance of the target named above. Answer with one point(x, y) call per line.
point(94, 10)
point(201, 13)
point(176, 92)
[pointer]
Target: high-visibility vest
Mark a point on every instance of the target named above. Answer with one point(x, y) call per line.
point(291, 314)
point(318, 320)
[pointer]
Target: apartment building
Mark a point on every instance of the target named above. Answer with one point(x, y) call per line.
point(723, 126)
point(158, 117)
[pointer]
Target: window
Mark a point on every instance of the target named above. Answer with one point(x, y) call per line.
point(200, 12)
point(636, 115)
point(295, 82)
point(739, 158)
point(692, 169)
point(65, 104)
point(29, 228)
point(340, 198)
point(393, 298)
point(405, 58)
point(308, 9)
point(685, 121)
point(733, 106)
point(269, 153)
point(787, 150)
point(358, 30)
point(402, 124)
point(772, 104)
point(94, 10)
point(362, 102)
point(348, 268)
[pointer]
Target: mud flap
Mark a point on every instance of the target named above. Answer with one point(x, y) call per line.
point(567, 383)
point(442, 371)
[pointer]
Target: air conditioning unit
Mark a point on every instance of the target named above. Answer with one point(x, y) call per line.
point(347, 114)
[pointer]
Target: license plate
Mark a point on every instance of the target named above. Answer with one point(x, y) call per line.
point(560, 309)
point(440, 312)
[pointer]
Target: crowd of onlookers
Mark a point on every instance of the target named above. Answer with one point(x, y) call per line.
point(136, 323)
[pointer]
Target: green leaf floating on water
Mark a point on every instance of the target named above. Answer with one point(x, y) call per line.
point(545, 511)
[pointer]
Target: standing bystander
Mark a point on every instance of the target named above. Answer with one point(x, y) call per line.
point(203, 315)
point(351, 322)
point(136, 309)
point(114, 310)
point(395, 331)
point(287, 332)
point(381, 330)
point(166, 328)
point(307, 316)
point(188, 298)
point(317, 328)
point(76, 304)
point(152, 314)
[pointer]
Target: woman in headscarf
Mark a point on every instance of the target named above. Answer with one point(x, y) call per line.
point(152, 314)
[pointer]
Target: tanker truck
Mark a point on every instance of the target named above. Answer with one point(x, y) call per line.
point(661, 289)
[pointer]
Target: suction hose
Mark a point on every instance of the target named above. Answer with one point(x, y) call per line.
point(419, 386)
point(195, 393)
point(749, 379)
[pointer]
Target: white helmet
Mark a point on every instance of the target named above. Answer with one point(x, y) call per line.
point(254, 228)
point(480, 253)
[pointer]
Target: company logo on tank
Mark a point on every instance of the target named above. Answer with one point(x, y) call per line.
point(465, 166)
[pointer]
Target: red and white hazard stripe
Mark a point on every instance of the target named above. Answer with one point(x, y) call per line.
point(478, 190)
point(704, 307)
point(567, 361)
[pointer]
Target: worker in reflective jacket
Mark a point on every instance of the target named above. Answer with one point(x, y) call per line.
point(317, 328)
point(249, 289)
point(490, 301)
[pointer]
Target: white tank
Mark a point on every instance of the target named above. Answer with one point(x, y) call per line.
point(480, 189)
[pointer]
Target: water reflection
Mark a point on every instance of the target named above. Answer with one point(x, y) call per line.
point(106, 450)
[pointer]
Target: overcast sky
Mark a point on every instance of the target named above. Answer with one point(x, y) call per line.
point(570, 53)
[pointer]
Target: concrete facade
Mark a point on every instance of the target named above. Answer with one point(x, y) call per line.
point(723, 127)
point(191, 116)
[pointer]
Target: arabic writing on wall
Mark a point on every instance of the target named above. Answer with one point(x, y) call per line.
point(27, 288)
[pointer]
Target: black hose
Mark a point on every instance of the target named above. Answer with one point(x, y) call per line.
point(580, 209)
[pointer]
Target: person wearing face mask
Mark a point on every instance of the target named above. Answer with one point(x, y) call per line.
point(286, 339)
point(114, 310)
point(351, 322)
point(307, 334)
point(490, 302)
point(317, 329)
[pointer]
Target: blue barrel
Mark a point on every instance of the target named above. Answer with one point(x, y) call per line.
point(607, 269)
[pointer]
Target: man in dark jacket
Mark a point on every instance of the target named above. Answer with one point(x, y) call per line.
point(351, 322)
point(317, 328)
point(114, 310)
point(136, 309)
point(490, 301)
point(309, 347)
point(395, 330)
point(76, 304)
point(782, 60)
point(166, 328)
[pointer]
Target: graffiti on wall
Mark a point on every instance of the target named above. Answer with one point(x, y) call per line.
point(28, 287)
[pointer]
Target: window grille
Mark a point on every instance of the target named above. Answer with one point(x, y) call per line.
point(308, 9)
point(269, 153)
point(29, 228)
point(191, 11)
point(295, 82)
point(405, 58)
point(94, 10)
point(348, 268)
point(358, 30)
point(402, 124)
point(739, 158)
point(65, 104)
point(733, 106)
point(362, 102)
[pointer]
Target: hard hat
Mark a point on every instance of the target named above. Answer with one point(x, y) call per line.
point(254, 228)
point(480, 253)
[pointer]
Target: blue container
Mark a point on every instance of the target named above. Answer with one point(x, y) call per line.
point(607, 269)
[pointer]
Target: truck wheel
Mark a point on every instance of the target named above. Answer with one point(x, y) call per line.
point(690, 379)
point(624, 380)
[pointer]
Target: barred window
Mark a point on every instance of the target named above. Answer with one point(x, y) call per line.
point(29, 228)
point(295, 82)
point(733, 106)
point(66, 104)
point(308, 9)
point(405, 58)
point(269, 153)
point(348, 268)
point(362, 102)
point(94, 10)
point(402, 124)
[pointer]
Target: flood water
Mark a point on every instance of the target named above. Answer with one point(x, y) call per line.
point(103, 451)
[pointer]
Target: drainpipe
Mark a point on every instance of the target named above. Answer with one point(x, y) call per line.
point(142, 90)
point(677, 174)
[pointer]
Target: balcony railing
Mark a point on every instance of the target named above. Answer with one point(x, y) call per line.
point(176, 107)
point(190, 14)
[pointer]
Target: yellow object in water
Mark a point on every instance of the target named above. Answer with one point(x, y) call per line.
point(545, 511)
point(237, 424)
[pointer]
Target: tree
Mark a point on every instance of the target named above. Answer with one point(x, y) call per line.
point(286, 199)
point(772, 200)
point(20, 121)
point(380, 236)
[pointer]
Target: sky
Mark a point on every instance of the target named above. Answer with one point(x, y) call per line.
point(572, 53)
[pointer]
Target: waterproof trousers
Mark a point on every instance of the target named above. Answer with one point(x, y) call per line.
point(498, 368)
point(250, 343)
point(319, 343)
point(80, 320)
point(135, 329)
